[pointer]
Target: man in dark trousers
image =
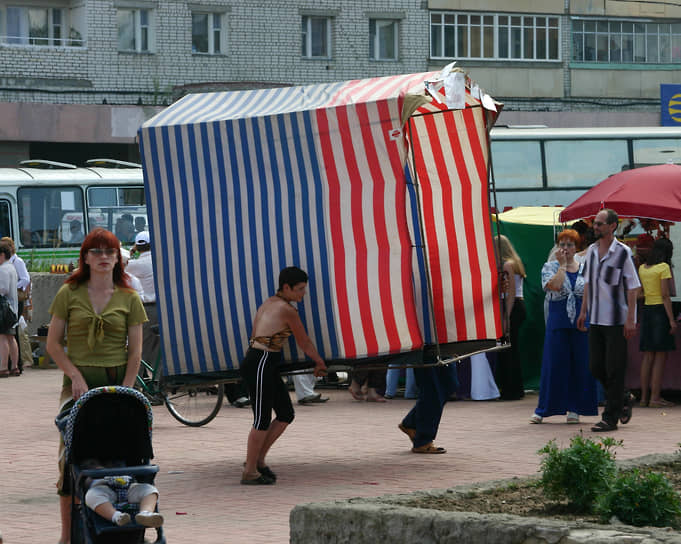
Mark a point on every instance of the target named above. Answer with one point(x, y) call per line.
point(436, 385)
point(610, 291)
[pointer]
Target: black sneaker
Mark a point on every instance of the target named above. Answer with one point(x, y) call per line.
point(313, 399)
point(603, 427)
point(242, 402)
point(627, 408)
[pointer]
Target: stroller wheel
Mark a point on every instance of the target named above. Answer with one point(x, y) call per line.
point(195, 405)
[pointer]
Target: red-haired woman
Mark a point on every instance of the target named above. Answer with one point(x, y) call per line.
point(102, 317)
point(566, 386)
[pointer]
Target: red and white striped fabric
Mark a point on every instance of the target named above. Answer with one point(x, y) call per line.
point(450, 163)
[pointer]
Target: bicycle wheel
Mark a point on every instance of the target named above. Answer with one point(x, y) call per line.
point(194, 405)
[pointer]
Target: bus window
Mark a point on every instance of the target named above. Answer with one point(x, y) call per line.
point(102, 196)
point(656, 151)
point(131, 196)
point(45, 211)
point(583, 163)
point(517, 164)
point(5, 219)
point(122, 210)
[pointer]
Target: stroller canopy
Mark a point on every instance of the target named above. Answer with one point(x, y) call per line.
point(110, 423)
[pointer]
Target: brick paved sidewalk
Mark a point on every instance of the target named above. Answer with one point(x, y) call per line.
point(340, 449)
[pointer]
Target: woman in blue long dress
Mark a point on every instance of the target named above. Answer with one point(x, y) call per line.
point(566, 386)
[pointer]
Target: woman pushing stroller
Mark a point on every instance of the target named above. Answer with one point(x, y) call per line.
point(102, 317)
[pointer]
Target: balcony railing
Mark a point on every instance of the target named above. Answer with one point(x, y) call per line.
point(40, 41)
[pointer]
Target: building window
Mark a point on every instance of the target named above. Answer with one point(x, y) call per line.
point(207, 33)
point(498, 36)
point(316, 34)
point(383, 39)
point(35, 26)
point(622, 42)
point(135, 32)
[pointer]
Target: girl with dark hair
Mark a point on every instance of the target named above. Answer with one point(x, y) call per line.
point(658, 325)
point(102, 317)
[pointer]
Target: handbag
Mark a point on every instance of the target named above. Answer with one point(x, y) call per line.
point(24, 294)
point(7, 316)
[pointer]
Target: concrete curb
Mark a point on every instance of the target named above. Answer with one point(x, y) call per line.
point(383, 519)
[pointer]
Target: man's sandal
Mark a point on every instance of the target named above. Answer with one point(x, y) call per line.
point(428, 448)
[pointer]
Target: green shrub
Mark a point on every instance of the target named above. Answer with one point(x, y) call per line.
point(579, 473)
point(641, 499)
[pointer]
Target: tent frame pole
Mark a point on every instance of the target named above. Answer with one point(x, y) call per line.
point(424, 246)
point(492, 196)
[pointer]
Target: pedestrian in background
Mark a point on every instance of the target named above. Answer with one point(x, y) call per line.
point(304, 385)
point(566, 386)
point(658, 325)
point(143, 269)
point(9, 351)
point(509, 368)
point(23, 298)
point(610, 292)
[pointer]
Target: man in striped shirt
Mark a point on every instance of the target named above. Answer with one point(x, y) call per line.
point(611, 288)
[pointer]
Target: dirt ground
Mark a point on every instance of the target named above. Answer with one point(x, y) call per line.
point(525, 498)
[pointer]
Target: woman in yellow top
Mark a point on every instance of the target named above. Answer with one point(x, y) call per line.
point(102, 317)
point(657, 324)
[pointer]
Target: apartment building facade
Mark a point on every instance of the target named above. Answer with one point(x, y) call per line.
point(79, 73)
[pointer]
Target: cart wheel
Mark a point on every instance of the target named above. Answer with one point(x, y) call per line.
point(194, 405)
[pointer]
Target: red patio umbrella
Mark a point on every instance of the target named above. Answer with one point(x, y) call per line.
point(653, 192)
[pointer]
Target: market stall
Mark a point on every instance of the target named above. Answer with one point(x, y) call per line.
point(650, 198)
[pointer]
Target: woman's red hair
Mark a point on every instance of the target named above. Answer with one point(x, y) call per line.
point(99, 238)
point(570, 234)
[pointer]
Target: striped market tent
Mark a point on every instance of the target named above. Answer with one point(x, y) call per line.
point(375, 187)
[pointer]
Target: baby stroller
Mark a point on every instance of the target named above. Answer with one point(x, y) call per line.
point(113, 425)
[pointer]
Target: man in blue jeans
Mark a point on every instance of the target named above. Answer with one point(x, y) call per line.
point(436, 384)
point(610, 291)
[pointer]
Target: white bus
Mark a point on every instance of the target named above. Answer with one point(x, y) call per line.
point(47, 207)
point(553, 167)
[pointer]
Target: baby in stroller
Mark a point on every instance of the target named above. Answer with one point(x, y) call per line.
point(107, 438)
point(104, 494)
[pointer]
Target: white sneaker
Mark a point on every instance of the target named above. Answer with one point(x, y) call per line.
point(536, 418)
point(149, 519)
point(572, 417)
